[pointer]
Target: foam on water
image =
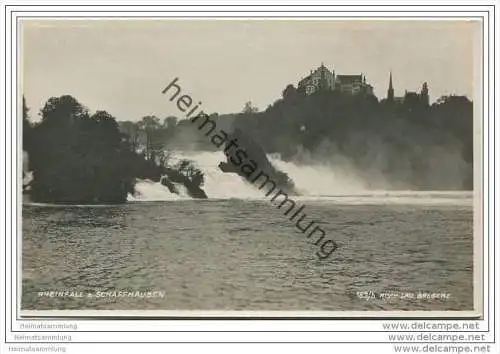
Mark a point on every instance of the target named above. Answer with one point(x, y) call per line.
point(316, 183)
point(454, 198)
point(146, 190)
point(219, 185)
point(321, 180)
point(331, 184)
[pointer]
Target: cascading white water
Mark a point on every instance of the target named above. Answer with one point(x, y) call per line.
point(146, 190)
point(219, 185)
point(321, 180)
point(338, 182)
point(309, 180)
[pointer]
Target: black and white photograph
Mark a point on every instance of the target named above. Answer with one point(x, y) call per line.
point(233, 167)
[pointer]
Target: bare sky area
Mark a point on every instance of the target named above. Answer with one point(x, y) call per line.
point(122, 66)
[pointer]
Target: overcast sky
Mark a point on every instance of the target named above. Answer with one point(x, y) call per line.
point(122, 66)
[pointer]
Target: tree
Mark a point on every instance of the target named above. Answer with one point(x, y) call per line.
point(64, 110)
point(26, 127)
point(289, 93)
point(249, 108)
point(79, 158)
point(189, 170)
point(150, 125)
point(131, 130)
point(170, 122)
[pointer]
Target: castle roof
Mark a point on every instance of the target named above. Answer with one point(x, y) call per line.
point(305, 80)
point(346, 79)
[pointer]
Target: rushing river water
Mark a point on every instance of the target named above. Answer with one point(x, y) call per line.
point(243, 254)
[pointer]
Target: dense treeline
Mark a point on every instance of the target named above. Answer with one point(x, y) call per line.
point(406, 144)
point(78, 157)
point(411, 144)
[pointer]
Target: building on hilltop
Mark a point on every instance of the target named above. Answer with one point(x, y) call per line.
point(390, 90)
point(318, 80)
point(353, 84)
point(323, 79)
point(424, 94)
point(410, 97)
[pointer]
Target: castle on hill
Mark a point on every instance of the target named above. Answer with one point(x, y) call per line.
point(323, 79)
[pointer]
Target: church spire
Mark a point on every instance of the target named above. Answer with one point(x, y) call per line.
point(390, 91)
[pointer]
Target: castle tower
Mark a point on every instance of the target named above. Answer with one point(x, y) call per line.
point(390, 91)
point(424, 94)
point(322, 83)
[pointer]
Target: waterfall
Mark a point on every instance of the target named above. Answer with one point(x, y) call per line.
point(315, 182)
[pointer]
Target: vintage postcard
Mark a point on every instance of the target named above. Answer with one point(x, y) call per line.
point(250, 167)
